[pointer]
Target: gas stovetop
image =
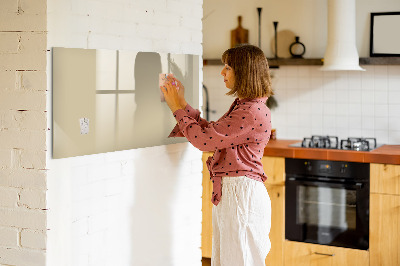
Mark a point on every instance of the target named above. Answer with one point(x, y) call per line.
point(332, 142)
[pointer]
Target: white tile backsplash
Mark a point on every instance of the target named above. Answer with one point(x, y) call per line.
point(292, 82)
point(394, 82)
point(381, 96)
point(382, 136)
point(346, 103)
point(382, 123)
point(381, 83)
point(381, 110)
point(367, 109)
point(367, 96)
point(342, 109)
point(394, 136)
point(342, 96)
point(329, 109)
point(381, 71)
point(304, 82)
point(394, 96)
point(368, 123)
point(394, 123)
point(394, 110)
point(393, 71)
point(354, 80)
point(342, 122)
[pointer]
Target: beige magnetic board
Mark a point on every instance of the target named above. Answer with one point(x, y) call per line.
point(109, 100)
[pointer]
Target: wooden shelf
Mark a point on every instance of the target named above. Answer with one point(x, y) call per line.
point(274, 63)
point(380, 61)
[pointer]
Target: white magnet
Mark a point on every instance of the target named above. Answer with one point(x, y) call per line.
point(84, 123)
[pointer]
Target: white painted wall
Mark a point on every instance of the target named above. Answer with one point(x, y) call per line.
point(305, 18)
point(134, 207)
point(311, 102)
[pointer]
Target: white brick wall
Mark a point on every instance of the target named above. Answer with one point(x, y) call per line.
point(135, 207)
point(9, 237)
point(33, 239)
point(98, 205)
point(23, 126)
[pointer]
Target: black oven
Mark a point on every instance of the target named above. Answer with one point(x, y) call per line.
point(327, 202)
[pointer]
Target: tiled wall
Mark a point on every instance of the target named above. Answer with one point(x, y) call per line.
point(313, 102)
point(135, 207)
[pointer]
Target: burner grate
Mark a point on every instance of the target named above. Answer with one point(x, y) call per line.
point(358, 144)
point(327, 142)
point(332, 142)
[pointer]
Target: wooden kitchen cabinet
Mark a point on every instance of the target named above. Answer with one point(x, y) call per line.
point(305, 254)
point(274, 168)
point(206, 225)
point(385, 215)
point(384, 236)
point(385, 178)
point(277, 233)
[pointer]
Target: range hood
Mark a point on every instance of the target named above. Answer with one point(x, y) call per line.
point(341, 51)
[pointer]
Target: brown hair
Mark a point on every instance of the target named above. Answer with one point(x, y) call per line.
point(250, 66)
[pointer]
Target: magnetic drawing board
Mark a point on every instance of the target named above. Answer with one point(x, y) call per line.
point(109, 100)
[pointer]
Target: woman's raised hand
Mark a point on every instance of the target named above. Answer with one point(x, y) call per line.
point(181, 92)
point(173, 95)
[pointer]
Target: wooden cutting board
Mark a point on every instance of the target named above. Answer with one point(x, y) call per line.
point(239, 35)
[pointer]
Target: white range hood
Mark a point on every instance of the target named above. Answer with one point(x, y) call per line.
point(341, 51)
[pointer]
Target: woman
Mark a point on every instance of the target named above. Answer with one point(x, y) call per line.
point(242, 208)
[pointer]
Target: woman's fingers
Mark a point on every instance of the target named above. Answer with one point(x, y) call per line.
point(172, 94)
point(163, 89)
point(171, 88)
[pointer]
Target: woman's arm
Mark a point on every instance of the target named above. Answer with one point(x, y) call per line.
point(177, 100)
point(239, 127)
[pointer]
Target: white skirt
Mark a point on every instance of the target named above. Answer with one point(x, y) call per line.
point(241, 223)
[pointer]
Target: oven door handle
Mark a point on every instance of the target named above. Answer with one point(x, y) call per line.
point(357, 185)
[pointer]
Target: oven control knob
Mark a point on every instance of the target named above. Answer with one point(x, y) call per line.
point(343, 168)
point(308, 166)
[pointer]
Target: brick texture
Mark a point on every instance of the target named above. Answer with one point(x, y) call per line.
point(9, 237)
point(8, 197)
point(23, 126)
point(17, 256)
point(33, 239)
point(23, 218)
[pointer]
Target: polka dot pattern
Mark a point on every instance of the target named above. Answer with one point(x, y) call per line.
point(238, 139)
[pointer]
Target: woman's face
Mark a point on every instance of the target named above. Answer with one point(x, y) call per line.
point(229, 76)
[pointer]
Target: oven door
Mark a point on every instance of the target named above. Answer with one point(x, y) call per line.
point(327, 213)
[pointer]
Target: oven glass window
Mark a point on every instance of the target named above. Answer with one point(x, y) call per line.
point(327, 207)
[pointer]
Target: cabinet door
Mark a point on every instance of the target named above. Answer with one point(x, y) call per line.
point(277, 233)
point(385, 178)
point(206, 232)
point(274, 168)
point(384, 230)
point(304, 254)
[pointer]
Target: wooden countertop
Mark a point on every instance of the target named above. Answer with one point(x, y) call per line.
point(389, 154)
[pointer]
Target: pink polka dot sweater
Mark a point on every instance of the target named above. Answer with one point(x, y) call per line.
point(238, 139)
